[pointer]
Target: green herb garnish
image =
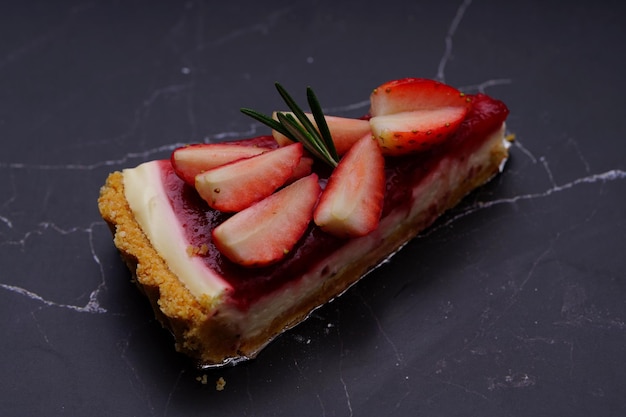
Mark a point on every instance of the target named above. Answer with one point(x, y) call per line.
point(318, 140)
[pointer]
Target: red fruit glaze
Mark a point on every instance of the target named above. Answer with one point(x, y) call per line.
point(483, 117)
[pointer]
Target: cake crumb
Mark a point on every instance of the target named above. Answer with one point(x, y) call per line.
point(220, 384)
point(197, 250)
point(203, 379)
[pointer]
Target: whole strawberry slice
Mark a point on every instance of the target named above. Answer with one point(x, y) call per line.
point(239, 184)
point(352, 202)
point(192, 160)
point(410, 94)
point(267, 231)
point(344, 131)
point(414, 131)
point(414, 114)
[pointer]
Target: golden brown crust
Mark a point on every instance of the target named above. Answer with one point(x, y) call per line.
point(213, 340)
point(173, 304)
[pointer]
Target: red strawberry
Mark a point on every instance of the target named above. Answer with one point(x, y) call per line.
point(266, 232)
point(345, 131)
point(352, 202)
point(303, 169)
point(412, 131)
point(485, 116)
point(413, 114)
point(409, 94)
point(237, 185)
point(191, 160)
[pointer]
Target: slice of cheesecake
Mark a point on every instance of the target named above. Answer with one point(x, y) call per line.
point(221, 311)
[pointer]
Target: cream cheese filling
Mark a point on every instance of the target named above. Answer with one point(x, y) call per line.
point(143, 188)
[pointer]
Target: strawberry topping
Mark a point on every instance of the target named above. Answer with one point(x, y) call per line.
point(345, 132)
point(266, 232)
point(417, 130)
point(414, 114)
point(352, 201)
point(237, 185)
point(192, 160)
point(409, 94)
point(407, 116)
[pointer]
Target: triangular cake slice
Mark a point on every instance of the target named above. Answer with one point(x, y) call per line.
point(222, 311)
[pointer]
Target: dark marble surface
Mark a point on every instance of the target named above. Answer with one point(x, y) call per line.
point(512, 305)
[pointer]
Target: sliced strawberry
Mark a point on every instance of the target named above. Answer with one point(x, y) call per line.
point(191, 160)
point(304, 168)
point(237, 185)
point(409, 94)
point(345, 131)
point(413, 114)
point(267, 231)
point(418, 130)
point(352, 201)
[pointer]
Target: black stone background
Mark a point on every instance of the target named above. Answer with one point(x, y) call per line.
point(512, 305)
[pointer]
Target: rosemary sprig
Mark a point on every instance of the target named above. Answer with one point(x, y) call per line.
point(297, 126)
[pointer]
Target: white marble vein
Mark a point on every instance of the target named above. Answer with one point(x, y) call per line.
point(311, 387)
point(93, 305)
point(398, 356)
point(447, 54)
point(342, 379)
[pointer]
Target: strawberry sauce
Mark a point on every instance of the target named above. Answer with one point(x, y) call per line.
point(402, 173)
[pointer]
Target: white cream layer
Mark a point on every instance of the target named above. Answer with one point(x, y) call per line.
point(148, 200)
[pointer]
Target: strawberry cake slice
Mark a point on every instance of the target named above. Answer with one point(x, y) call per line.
point(234, 243)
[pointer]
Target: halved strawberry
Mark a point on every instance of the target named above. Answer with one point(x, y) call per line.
point(352, 202)
point(413, 114)
point(192, 160)
point(409, 94)
point(267, 231)
point(345, 131)
point(418, 130)
point(237, 185)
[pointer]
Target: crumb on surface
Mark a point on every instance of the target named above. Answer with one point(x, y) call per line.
point(219, 384)
point(203, 379)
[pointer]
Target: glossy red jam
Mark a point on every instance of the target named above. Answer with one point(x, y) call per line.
point(198, 220)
